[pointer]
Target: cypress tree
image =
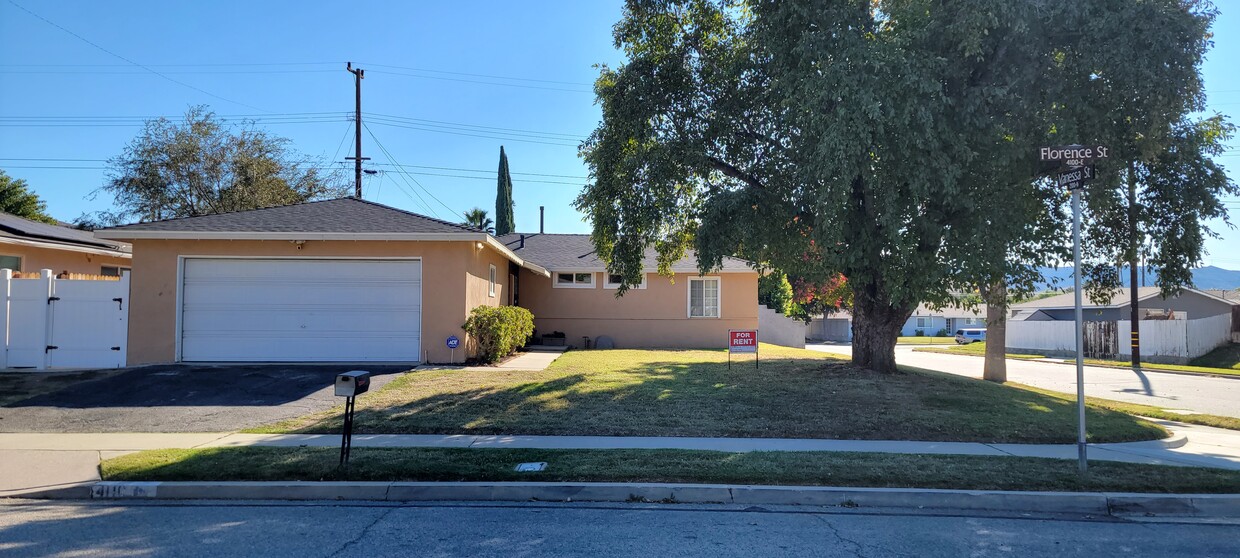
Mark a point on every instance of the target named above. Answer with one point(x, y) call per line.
point(504, 220)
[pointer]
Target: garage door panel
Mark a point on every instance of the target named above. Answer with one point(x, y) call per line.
point(301, 310)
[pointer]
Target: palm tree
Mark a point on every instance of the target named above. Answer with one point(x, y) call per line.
point(477, 218)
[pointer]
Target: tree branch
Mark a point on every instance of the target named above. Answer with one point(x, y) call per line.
point(729, 170)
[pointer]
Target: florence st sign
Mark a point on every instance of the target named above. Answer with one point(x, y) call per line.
point(1073, 156)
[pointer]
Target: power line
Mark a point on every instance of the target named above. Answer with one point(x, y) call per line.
point(455, 169)
point(87, 41)
point(456, 133)
point(491, 76)
point(428, 122)
point(402, 169)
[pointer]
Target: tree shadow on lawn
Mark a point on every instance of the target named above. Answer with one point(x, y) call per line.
point(819, 398)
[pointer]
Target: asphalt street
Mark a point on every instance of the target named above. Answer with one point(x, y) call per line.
point(306, 530)
point(1203, 394)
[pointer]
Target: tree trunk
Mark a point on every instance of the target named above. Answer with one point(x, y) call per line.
point(995, 367)
point(876, 325)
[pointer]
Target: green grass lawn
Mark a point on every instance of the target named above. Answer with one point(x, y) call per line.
point(773, 468)
point(1226, 357)
point(794, 394)
point(925, 340)
point(973, 349)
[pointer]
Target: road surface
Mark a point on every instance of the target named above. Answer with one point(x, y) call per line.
point(309, 530)
point(1202, 394)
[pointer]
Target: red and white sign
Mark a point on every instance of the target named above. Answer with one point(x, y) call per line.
point(742, 340)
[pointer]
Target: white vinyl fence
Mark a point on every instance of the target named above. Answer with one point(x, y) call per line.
point(1173, 341)
point(64, 323)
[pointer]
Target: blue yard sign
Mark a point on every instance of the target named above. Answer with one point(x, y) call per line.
point(453, 342)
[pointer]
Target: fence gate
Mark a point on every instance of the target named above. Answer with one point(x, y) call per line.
point(65, 323)
point(1101, 340)
point(1235, 324)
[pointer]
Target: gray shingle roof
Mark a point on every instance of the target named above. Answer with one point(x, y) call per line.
point(1119, 298)
point(18, 227)
point(341, 215)
point(575, 251)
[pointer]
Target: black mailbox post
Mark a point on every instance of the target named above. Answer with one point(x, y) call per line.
point(349, 385)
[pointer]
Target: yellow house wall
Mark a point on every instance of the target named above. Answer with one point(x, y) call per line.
point(449, 271)
point(656, 316)
point(36, 258)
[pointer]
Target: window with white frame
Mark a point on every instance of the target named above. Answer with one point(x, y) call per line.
point(921, 322)
point(574, 280)
point(492, 291)
point(614, 279)
point(704, 297)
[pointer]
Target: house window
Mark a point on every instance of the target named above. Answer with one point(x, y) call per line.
point(492, 291)
point(11, 262)
point(921, 322)
point(704, 297)
point(614, 279)
point(112, 270)
point(574, 280)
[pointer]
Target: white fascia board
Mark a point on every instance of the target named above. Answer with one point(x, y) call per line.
point(693, 273)
point(67, 247)
point(121, 234)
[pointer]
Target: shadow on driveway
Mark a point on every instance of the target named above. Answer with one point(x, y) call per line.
point(181, 398)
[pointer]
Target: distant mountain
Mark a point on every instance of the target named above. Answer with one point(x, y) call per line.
point(1208, 277)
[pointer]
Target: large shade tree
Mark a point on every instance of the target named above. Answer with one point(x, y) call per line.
point(17, 199)
point(203, 165)
point(887, 140)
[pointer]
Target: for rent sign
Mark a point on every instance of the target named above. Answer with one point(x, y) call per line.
point(743, 340)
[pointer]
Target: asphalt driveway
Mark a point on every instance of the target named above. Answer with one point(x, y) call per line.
point(172, 398)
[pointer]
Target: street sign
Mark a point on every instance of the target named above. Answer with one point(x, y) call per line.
point(1069, 153)
point(453, 342)
point(1082, 174)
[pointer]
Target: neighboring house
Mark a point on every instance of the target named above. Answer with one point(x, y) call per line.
point(1190, 304)
point(1232, 295)
point(30, 246)
point(836, 326)
point(579, 298)
point(352, 280)
point(927, 321)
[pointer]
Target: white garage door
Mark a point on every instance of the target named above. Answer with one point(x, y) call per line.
point(301, 310)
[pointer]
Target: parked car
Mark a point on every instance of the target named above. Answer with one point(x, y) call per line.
point(966, 336)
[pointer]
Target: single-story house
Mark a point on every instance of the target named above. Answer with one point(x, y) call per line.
point(579, 298)
point(836, 326)
point(1189, 304)
point(30, 246)
point(350, 280)
point(928, 321)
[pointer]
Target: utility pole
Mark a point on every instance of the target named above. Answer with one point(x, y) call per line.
point(1134, 316)
point(358, 73)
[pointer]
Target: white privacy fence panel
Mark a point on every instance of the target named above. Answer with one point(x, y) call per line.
point(65, 323)
point(1042, 335)
point(1171, 339)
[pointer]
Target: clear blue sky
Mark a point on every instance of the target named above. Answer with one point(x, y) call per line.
point(461, 78)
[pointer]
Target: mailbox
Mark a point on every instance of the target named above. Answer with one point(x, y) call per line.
point(354, 382)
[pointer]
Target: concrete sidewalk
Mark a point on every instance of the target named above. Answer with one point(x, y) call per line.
point(533, 360)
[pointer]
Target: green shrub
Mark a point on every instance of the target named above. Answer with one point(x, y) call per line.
point(498, 331)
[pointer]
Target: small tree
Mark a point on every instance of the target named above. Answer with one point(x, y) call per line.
point(505, 222)
point(478, 219)
point(201, 166)
point(775, 291)
point(17, 199)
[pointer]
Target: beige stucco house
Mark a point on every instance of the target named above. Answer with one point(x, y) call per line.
point(30, 246)
point(349, 280)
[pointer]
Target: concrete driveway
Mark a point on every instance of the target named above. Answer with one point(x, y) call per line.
point(174, 398)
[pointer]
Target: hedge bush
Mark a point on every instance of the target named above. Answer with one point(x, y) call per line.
point(498, 331)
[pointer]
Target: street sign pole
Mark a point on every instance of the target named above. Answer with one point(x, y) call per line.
point(1082, 459)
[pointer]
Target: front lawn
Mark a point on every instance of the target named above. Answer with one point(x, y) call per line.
point(1226, 357)
point(681, 466)
point(794, 394)
point(973, 349)
point(920, 340)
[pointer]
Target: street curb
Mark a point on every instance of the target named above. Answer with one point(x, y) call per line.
point(1096, 503)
